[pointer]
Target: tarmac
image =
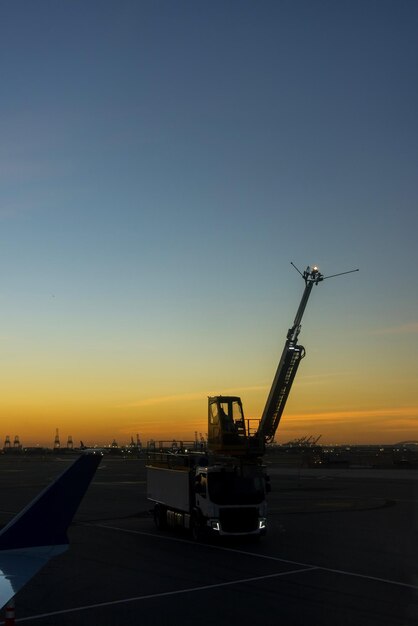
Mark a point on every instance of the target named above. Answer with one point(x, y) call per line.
point(341, 549)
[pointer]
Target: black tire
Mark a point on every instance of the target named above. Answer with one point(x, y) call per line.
point(196, 529)
point(160, 516)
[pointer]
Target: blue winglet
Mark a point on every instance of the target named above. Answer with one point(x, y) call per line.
point(44, 522)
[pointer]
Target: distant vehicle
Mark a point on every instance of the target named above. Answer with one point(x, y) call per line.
point(39, 532)
point(94, 449)
point(224, 491)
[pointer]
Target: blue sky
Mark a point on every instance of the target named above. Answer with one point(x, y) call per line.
point(162, 163)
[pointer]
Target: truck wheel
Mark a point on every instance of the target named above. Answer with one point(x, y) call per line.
point(160, 517)
point(196, 528)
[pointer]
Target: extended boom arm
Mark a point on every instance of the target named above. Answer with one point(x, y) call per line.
point(288, 365)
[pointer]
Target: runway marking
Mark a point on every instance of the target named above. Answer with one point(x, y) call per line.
point(164, 594)
point(266, 556)
point(119, 482)
point(301, 568)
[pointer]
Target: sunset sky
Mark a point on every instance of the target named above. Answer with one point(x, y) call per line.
point(162, 162)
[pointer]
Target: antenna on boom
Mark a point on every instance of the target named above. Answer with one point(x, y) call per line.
point(313, 275)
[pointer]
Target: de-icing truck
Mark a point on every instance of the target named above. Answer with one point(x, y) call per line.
point(223, 491)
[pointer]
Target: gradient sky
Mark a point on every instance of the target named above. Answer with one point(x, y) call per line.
point(161, 163)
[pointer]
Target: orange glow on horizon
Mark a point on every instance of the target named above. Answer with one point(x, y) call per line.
point(180, 417)
point(95, 404)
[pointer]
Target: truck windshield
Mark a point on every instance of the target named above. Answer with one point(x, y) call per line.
point(231, 488)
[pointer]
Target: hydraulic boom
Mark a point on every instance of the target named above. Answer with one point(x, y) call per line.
point(288, 365)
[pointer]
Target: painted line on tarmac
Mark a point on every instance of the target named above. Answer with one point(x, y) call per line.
point(111, 483)
point(387, 581)
point(164, 594)
point(301, 568)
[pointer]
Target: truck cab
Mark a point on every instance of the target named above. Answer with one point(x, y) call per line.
point(231, 499)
